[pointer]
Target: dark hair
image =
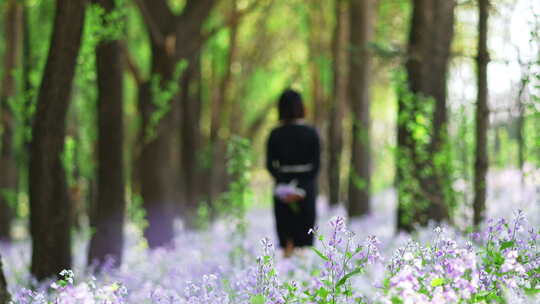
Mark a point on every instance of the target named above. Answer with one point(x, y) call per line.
point(290, 106)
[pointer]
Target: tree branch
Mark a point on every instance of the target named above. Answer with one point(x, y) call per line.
point(153, 27)
point(233, 18)
point(256, 125)
point(131, 65)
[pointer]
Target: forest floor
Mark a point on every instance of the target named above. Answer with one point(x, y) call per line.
point(167, 274)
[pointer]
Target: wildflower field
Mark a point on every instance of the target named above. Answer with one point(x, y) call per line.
point(359, 262)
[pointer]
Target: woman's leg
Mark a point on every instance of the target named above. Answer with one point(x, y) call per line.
point(284, 221)
point(306, 218)
point(289, 248)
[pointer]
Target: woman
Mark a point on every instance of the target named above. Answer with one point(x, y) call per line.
point(293, 159)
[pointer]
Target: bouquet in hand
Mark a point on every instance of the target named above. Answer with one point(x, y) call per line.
point(290, 194)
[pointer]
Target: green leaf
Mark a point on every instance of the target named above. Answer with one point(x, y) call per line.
point(498, 259)
point(493, 297)
point(322, 292)
point(507, 244)
point(532, 291)
point(386, 283)
point(349, 275)
point(320, 254)
point(437, 282)
point(257, 299)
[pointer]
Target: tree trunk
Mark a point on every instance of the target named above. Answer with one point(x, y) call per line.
point(335, 129)
point(49, 202)
point(221, 118)
point(437, 185)
point(235, 117)
point(8, 165)
point(4, 294)
point(422, 178)
point(107, 241)
point(27, 68)
point(317, 54)
point(317, 92)
point(362, 21)
point(482, 115)
point(191, 139)
point(520, 136)
point(157, 178)
point(173, 38)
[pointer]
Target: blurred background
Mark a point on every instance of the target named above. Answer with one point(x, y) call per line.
point(147, 111)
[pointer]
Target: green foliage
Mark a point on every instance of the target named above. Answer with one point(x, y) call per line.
point(110, 25)
point(78, 155)
point(238, 166)
point(68, 159)
point(234, 203)
point(343, 260)
point(533, 123)
point(204, 218)
point(392, 14)
point(100, 26)
point(418, 162)
point(504, 147)
point(358, 181)
point(10, 197)
point(163, 93)
point(136, 212)
point(258, 299)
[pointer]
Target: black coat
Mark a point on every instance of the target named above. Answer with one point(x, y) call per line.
point(293, 153)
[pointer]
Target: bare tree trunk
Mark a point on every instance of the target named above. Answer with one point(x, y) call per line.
point(108, 239)
point(4, 294)
point(317, 93)
point(443, 32)
point(482, 115)
point(422, 179)
point(49, 202)
point(144, 98)
point(235, 117)
point(317, 54)
point(335, 129)
point(191, 139)
point(222, 113)
point(8, 165)
point(520, 131)
point(362, 14)
point(520, 137)
point(27, 85)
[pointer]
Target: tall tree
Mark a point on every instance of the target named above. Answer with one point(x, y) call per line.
point(49, 201)
point(221, 111)
point(520, 120)
point(423, 169)
point(4, 294)
point(337, 105)
point(173, 38)
point(318, 56)
point(8, 167)
point(362, 14)
point(482, 114)
point(190, 143)
point(107, 241)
